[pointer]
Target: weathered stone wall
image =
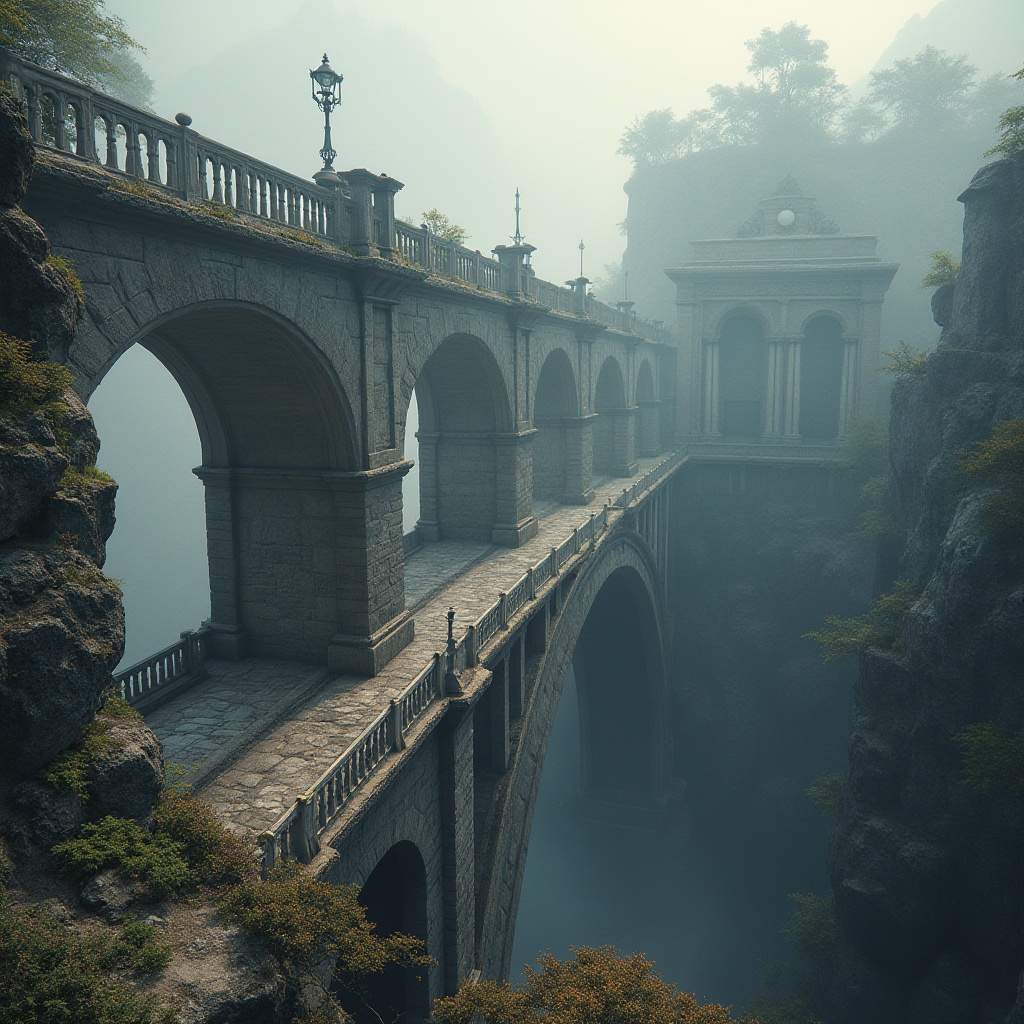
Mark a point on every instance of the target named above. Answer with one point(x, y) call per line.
point(925, 869)
point(549, 456)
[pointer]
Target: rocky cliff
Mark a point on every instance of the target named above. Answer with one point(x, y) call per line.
point(926, 869)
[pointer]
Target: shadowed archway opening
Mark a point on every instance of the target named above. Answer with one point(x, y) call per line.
point(821, 376)
point(649, 431)
point(555, 404)
point(742, 356)
point(273, 426)
point(463, 407)
point(609, 398)
point(617, 667)
point(395, 900)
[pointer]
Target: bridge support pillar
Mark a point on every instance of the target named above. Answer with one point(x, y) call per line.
point(515, 522)
point(623, 462)
point(458, 850)
point(579, 460)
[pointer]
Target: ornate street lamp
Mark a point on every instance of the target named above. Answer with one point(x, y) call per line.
point(327, 95)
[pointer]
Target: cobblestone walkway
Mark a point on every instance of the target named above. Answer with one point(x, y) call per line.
point(254, 761)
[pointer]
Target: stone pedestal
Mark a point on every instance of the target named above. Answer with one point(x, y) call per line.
point(579, 460)
point(515, 522)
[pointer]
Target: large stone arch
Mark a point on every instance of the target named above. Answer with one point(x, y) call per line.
point(742, 367)
point(629, 563)
point(556, 415)
point(471, 456)
point(822, 353)
point(395, 896)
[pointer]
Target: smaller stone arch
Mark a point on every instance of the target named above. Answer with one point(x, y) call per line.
point(614, 429)
point(649, 434)
point(822, 352)
point(720, 320)
point(471, 458)
point(556, 415)
point(394, 897)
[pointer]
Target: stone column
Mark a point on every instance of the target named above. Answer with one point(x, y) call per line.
point(515, 522)
point(623, 441)
point(791, 416)
point(361, 184)
point(428, 527)
point(579, 460)
point(848, 387)
point(775, 387)
point(225, 623)
point(709, 423)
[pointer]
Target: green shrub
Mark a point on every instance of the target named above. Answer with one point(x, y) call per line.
point(66, 269)
point(27, 383)
point(155, 860)
point(880, 627)
point(303, 919)
point(85, 480)
point(998, 461)
point(826, 793)
point(1011, 128)
point(52, 974)
point(904, 360)
point(993, 762)
point(942, 271)
point(812, 927)
point(215, 855)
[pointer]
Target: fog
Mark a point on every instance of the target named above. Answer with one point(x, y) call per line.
point(464, 102)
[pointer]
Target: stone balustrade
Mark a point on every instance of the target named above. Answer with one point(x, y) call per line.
point(169, 157)
point(147, 684)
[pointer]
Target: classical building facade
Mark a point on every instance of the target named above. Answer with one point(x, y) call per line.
point(779, 329)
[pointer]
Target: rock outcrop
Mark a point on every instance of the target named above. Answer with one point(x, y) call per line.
point(926, 870)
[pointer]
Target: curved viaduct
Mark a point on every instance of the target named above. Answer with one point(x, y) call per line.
point(298, 322)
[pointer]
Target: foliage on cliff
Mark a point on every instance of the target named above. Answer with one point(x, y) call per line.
point(52, 973)
point(880, 627)
point(998, 462)
point(864, 456)
point(943, 270)
point(1011, 128)
point(993, 761)
point(27, 382)
point(596, 986)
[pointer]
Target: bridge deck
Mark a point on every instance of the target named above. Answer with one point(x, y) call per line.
point(257, 733)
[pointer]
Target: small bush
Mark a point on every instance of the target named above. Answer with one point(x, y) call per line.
point(134, 187)
point(904, 361)
point(812, 928)
point(1011, 128)
point(52, 974)
point(993, 762)
point(27, 383)
point(155, 860)
point(65, 267)
point(880, 627)
point(943, 270)
point(85, 480)
point(214, 209)
point(826, 793)
point(302, 236)
point(215, 855)
point(302, 920)
point(999, 462)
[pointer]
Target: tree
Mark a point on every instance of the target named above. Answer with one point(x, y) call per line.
point(597, 986)
point(77, 38)
point(1011, 128)
point(652, 139)
point(930, 91)
point(443, 227)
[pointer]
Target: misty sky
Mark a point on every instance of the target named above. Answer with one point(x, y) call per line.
point(555, 82)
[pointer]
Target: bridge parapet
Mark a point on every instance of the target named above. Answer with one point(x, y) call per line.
point(169, 157)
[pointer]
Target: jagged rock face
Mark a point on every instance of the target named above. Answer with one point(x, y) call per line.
point(125, 780)
point(61, 620)
point(926, 872)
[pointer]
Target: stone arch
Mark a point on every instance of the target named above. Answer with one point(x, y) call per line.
point(394, 896)
point(556, 403)
point(742, 361)
point(465, 415)
point(629, 563)
point(821, 376)
point(645, 383)
point(277, 437)
point(649, 429)
point(610, 406)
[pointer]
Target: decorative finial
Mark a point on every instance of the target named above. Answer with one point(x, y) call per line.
point(517, 238)
point(582, 247)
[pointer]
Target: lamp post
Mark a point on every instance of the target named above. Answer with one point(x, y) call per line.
point(327, 95)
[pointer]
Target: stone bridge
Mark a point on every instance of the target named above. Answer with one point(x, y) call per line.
point(324, 705)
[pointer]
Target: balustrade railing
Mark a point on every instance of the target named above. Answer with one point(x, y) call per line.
point(147, 680)
point(169, 157)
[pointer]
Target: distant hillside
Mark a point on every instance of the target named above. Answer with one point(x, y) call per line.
point(990, 32)
point(902, 188)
